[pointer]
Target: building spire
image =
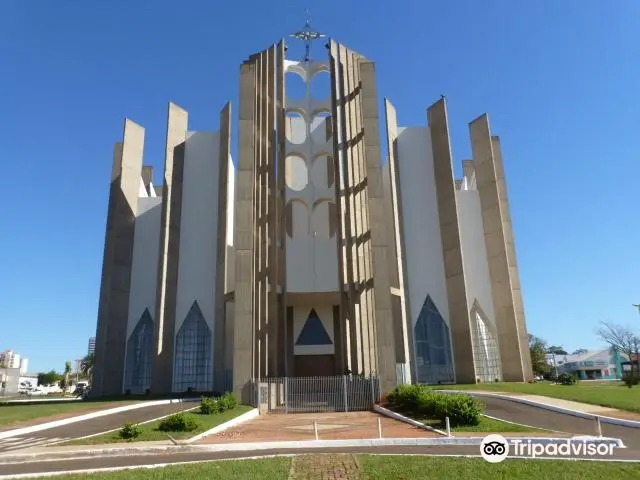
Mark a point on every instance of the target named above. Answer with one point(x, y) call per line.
point(307, 35)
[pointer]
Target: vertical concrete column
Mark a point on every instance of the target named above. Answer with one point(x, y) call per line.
point(177, 124)
point(265, 285)
point(243, 359)
point(363, 227)
point(451, 247)
point(512, 259)
point(402, 325)
point(285, 343)
point(341, 209)
point(493, 201)
point(276, 57)
point(260, 164)
point(383, 319)
point(356, 195)
point(111, 335)
point(344, 193)
point(220, 346)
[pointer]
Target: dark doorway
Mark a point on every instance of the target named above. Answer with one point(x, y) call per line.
point(314, 365)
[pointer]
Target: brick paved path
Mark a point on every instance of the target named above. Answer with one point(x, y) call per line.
point(324, 467)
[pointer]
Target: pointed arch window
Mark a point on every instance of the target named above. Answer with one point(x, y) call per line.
point(193, 352)
point(486, 353)
point(139, 359)
point(432, 340)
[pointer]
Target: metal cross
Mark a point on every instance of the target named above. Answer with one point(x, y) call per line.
point(307, 35)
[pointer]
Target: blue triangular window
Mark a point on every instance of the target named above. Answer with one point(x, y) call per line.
point(313, 332)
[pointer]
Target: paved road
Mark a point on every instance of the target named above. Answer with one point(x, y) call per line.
point(50, 467)
point(542, 418)
point(90, 427)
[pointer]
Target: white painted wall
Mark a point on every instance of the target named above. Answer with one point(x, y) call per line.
point(231, 199)
point(144, 268)
point(230, 264)
point(300, 314)
point(198, 261)
point(421, 223)
point(474, 253)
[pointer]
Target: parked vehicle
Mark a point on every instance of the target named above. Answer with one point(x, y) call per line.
point(80, 388)
point(36, 391)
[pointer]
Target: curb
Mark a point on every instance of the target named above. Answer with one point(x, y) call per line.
point(245, 417)
point(87, 416)
point(396, 416)
point(567, 411)
point(292, 445)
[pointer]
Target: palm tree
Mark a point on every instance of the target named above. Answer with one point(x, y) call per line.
point(86, 366)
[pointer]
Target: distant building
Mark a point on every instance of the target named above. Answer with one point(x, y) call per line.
point(24, 365)
point(92, 346)
point(630, 364)
point(605, 364)
point(28, 381)
point(10, 359)
point(9, 381)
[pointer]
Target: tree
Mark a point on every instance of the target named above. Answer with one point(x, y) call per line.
point(86, 366)
point(48, 378)
point(622, 339)
point(556, 350)
point(538, 350)
point(580, 351)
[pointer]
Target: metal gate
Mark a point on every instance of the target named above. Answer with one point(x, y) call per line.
point(342, 393)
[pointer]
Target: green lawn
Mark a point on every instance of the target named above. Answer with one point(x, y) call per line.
point(17, 414)
point(485, 425)
point(151, 433)
point(412, 467)
point(268, 468)
point(614, 396)
point(387, 467)
point(492, 425)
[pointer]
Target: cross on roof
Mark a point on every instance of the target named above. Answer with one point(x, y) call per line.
point(307, 35)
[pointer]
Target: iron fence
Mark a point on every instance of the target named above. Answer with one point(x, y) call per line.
point(342, 393)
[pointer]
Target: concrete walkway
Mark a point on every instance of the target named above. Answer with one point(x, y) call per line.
point(330, 426)
point(62, 449)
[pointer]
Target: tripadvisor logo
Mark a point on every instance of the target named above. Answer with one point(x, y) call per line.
point(495, 448)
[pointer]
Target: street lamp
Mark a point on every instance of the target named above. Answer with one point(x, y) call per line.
point(637, 355)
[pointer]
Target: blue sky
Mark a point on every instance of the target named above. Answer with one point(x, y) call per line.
point(558, 78)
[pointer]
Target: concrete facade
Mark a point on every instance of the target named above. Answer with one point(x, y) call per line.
point(457, 278)
point(308, 257)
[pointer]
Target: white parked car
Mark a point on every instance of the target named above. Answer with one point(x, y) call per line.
point(37, 391)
